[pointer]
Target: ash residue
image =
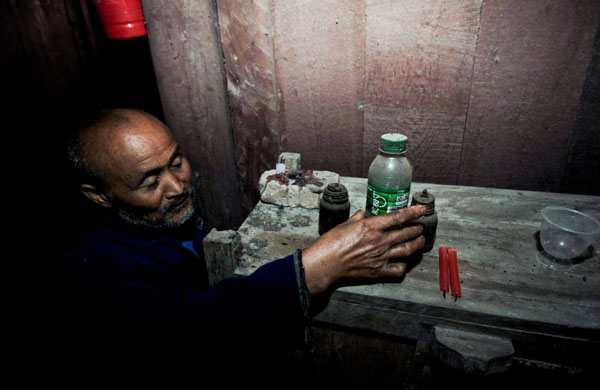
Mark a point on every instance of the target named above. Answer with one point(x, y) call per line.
point(266, 221)
point(257, 243)
point(301, 221)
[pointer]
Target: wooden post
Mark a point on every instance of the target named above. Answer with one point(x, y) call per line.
point(188, 62)
point(222, 250)
point(247, 37)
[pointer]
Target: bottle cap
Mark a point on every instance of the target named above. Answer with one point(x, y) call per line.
point(424, 198)
point(335, 193)
point(393, 143)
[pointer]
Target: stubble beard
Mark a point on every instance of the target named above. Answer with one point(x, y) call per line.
point(138, 217)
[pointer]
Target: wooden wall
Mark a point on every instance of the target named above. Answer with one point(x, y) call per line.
point(56, 68)
point(530, 67)
point(488, 92)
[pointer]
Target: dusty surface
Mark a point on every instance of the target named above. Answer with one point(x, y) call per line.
point(495, 234)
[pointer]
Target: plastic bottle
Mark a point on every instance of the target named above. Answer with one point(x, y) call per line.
point(390, 176)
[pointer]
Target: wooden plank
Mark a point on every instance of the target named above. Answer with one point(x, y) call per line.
point(583, 164)
point(53, 56)
point(538, 341)
point(319, 51)
point(246, 36)
point(45, 67)
point(419, 61)
point(494, 232)
point(529, 71)
point(188, 62)
point(350, 360)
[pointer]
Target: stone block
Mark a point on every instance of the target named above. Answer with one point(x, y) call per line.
point(292, 161)
point(296, 188)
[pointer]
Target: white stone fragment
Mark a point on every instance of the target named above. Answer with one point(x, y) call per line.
point(292, 161)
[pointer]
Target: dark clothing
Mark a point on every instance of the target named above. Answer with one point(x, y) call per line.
point(138, 295)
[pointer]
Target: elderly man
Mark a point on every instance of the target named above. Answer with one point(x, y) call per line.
point(142, 272)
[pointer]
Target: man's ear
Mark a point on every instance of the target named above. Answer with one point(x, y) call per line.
point(95, 195)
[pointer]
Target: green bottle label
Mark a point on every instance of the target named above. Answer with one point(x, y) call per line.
point(384, 200)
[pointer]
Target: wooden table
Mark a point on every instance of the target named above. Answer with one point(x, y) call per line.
point(548, 315)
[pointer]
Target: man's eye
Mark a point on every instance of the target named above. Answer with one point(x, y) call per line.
point(150, 184)
point(177, 162)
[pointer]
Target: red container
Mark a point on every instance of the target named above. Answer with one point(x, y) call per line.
point(121, 19)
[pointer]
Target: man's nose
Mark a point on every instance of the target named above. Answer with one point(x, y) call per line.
point(175, 187)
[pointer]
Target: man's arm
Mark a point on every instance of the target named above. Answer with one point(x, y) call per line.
point(362, 248)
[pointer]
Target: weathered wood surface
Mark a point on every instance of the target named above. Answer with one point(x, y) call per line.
point(222, 250)
point(319, 54)
point(247, 40)
point(188, 61)
point(529, 72)
point(584, 153)
point(471, 352)
point(346, 360)
point(45, 46)
point(419, 61)
point(506, 292)
point(487, 91)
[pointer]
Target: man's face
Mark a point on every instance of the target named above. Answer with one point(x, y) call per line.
point(148, 178)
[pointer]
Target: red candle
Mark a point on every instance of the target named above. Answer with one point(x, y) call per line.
point(444, 276)
point(454, 279)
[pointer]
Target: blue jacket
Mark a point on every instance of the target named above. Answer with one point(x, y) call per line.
point(136, 290)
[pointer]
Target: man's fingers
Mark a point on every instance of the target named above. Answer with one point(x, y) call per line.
point(406, 248)
point(394, 270)
point(398, 236)
point(399, 217)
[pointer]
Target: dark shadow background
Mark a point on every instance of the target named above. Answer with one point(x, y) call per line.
point(57, 68)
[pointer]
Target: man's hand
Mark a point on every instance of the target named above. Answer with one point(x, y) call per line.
point(362, 248)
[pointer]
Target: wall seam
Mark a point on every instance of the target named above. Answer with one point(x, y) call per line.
point(274, 75)
point(364, 166)
point(239, 217)
point(459, 177)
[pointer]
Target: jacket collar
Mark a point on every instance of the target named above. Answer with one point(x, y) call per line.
point(160, 244)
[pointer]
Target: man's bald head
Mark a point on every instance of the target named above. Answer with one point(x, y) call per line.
point(89, 147)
